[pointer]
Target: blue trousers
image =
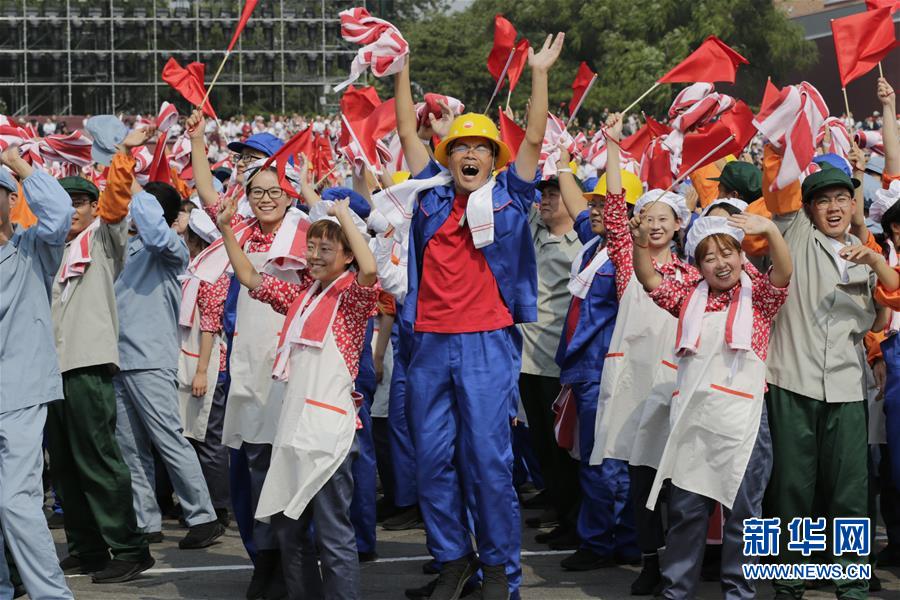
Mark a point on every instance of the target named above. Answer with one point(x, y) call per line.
point(241, 499)
point(362, 508)
point(403, 454)
point(525, 465)
point(22, 524)
point(459, 388)
point(605, 519)
point(891, 350)
point(147, 405)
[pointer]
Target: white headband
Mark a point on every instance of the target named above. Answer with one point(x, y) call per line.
point(884, 200)
point(319, 211)
point(674, 201)
point(707, 226)
point(738, 204)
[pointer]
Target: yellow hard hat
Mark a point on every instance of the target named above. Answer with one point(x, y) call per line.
point(399, 177)
point(631, 183)
point(473, 125)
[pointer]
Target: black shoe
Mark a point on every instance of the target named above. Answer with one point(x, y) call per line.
point(453, 578)
point(408, 519)
point(649, 578)
point(432, 567)
point(874, 583)
point(201, 536)
point(586, 560)
point(385, 510)
point(365, 557)
point(267, 562)
point(540, 500)
point(421, 592)
point(547, 518)
point(122, 570)
point(19, 591)
point(889, 556)
point(567, 541)
point(549, 536)
point(223, 517)
point(73, 564)
point(56, 521)
point(629, 560)
point(155, 537)
point(494, 585)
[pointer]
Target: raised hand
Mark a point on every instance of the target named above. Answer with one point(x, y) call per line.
point(861, 255)
point(887, 97)
point(752, 224)
point(857, 158)
point(441, 125)
point(226, 213)
point(138, 137)
point(544, 59)
point(196, 125)
point(640, 231)
point(338, 207)
point(614, 126)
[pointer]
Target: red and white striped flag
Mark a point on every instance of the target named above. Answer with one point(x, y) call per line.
point(840, 137)
point(871, 140)
point(554, 135)
point(791, 123)
point(431, 107)
point(384, 49)
point(74, 148)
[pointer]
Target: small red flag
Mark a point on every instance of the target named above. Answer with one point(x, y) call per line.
point(504, 42)
point(636, 143)
point(876, 4)
point(772, 94)
point(518, 63)
point(861, 41)
point(713, 61)
point(375, 126)
point(357, 103)
point(159, 166)
point(737, 123)
point(301, 142)
point(245, 16)
point(511, 134)
point(582, 80)
point(189, 83)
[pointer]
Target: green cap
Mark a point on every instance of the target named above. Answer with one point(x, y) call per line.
point(827, 177)
point(79, 185)
point(743, 178)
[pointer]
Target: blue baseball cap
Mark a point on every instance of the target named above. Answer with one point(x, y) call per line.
point(266, 143)
point(358, 204)
point(107, 131)
point(838, 162)
point(7, 181)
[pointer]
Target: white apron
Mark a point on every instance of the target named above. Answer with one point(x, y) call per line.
point(716, 417)
point(195, 411)
point(653, 428)
point(254, 398)
point(315, 431)
point(644, 335)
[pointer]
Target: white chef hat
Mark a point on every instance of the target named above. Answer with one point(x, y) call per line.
point(201, 224)
point(319, 211)
point(707, 226)
point(884, 200)
point(738, 204)
point(675, 201)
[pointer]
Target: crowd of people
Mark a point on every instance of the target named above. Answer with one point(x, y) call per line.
point(268, 337)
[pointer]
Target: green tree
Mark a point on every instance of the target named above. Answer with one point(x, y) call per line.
point(629, 44)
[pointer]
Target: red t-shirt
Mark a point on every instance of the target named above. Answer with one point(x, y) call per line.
point(458, 293)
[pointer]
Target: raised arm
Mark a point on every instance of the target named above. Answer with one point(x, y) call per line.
point(113, 203)
point(413, 150)
point(784, 201)
point(613, 154)
point(568, 187)
point(158, 237)
point(47, 199)
point(889, 132)
point(366, 275)
point(782, 266)
point(203, 177)
point(310, 197)
point(540, 63)
point(244, 270)
point(858, 218)
point(643, 263)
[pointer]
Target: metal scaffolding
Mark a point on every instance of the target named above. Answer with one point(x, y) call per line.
point(105, 56)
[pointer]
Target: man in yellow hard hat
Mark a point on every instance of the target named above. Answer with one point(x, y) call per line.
point(472, 277)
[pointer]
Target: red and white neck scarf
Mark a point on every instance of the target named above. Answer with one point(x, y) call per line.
point(286, 256)
point(580, 281)
point(308, 321)
point(78, 258)
point(738, 326)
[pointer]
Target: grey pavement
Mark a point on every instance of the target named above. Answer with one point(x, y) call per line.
point(223, 572)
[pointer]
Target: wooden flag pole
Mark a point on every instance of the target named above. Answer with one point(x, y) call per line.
point(214, 79)
point(846, 103)
point(512, 53)
point(508, 96)
point(644, 95)
point(880, 70)
point(326, 175)
point(581, 100)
